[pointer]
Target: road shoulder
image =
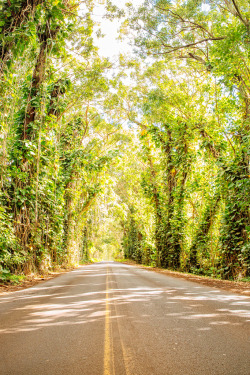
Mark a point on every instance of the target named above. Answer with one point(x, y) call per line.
point(32, 280)
point(239, 287)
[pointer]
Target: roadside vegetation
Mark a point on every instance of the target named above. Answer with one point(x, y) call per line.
point(146, 159)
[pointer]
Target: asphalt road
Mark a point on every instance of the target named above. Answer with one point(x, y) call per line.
point(114, 319)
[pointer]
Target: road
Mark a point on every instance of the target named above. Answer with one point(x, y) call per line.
point(114, 319)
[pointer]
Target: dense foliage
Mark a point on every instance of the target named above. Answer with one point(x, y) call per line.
point(150, 160)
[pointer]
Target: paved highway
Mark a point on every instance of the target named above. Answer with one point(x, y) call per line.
point(114, 319)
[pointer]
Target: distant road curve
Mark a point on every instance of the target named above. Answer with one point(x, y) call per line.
point(115, 319)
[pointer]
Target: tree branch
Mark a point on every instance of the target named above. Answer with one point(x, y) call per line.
point(190, 44)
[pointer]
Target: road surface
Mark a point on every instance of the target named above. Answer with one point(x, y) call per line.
point(114, 319)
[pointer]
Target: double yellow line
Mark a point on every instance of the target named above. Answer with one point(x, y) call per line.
point(109, 364)
point(108, 347)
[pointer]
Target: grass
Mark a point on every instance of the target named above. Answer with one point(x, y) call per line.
point(8, 278)
point(245, 279)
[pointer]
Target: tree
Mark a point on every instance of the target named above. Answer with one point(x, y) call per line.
point(211, 38)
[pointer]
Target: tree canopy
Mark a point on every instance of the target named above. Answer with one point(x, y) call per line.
point(147, 158)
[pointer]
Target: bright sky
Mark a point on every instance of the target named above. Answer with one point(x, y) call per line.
point(109, 45)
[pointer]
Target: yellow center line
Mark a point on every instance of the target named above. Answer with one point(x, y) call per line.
point(108, 349)
point(109, 366)
point(126, 356)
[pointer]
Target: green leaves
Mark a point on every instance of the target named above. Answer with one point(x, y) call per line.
point(154, 151)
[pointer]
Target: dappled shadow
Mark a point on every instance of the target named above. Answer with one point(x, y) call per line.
point(74, 306)
point(61, 304)
point(57, 304)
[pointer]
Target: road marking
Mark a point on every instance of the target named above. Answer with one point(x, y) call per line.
point(109, 365)
point(108, 347)
point(126, 357)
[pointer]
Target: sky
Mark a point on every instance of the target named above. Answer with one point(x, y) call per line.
point(109, 46)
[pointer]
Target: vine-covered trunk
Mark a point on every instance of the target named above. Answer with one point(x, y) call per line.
point(201, 235)
point(235, 249)
point(236, 223)
point(70, 225)
point(14, 15)
point(24, 165)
